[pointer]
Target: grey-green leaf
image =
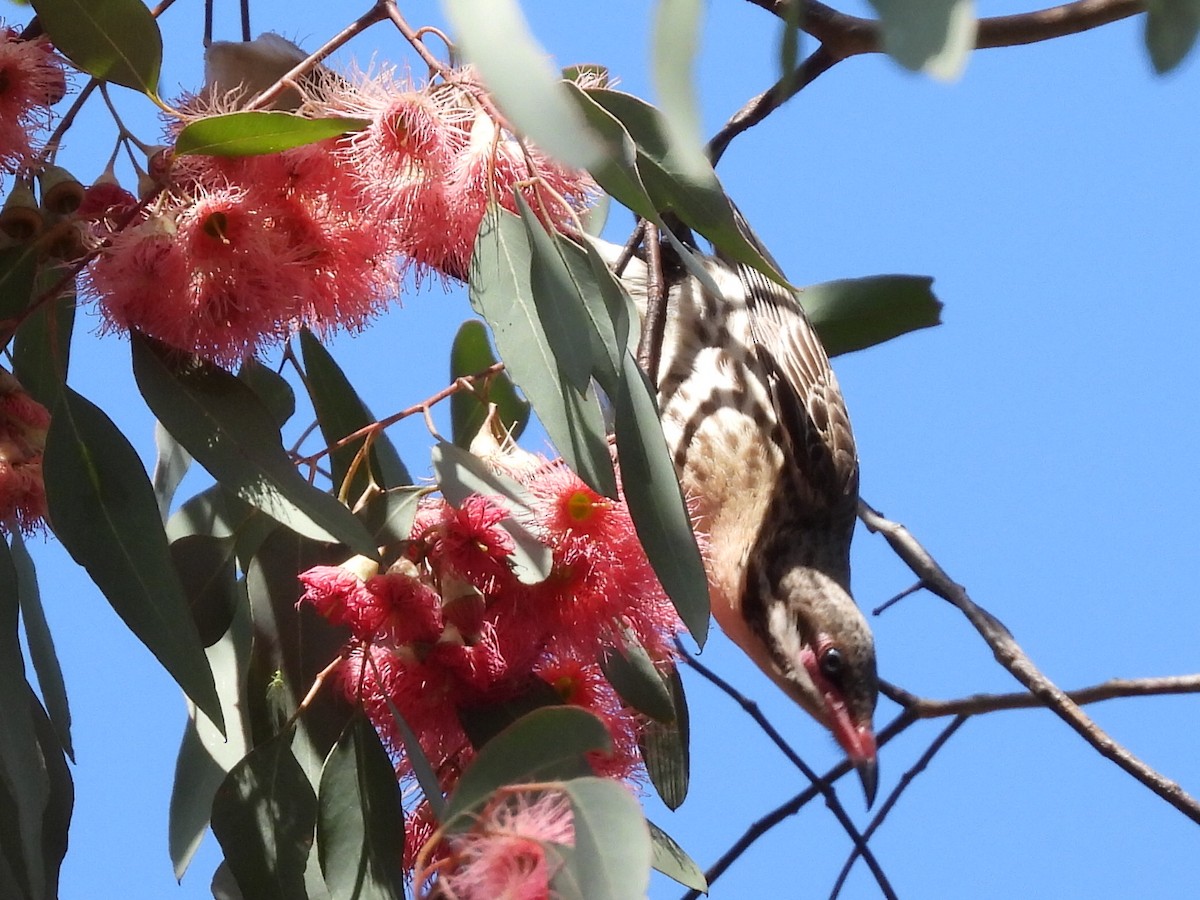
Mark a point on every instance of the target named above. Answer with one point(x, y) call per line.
point(41, 644)
point(935, 36)
point(631, 672)
point(114, 40)
point(171, 463)
point(678, 25)
point(470, 354)
point(340, 412)
point(360, 823)
point(612, 840)
point(264, 815)
point(42, 348)
point(258, 132)
point(103, 509)
point(500, 291)
point(548, 743)
point(21, 770)
point(666, 748)
point(225, 426)
point(854, 313)
point(656, 503)
point(1171, 28)
point(673, 861)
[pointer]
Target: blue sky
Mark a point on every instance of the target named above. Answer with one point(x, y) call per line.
point(1041, 443)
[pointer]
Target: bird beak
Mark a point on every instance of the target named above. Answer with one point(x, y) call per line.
point(868, 774)
point(859, 743)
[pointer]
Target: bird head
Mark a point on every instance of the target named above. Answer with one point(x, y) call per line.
point(824, 657)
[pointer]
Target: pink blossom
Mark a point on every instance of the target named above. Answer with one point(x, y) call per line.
point(23, 426)
point(32, 79)
point(504, 857)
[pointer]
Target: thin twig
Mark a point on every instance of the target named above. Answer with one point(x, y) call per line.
point(1010, 655)
point(654, 323)
point(905, 780)
point(826, 789)
point(888, 604)
point(980, 704)
point(794, 805)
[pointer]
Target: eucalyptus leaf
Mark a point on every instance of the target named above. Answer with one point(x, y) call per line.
point(470, 354)
point(56, 820)
point(421, 766)
point(389, 514)
point(632, 673)
point(41, 644)
point(678, 25)
point(264, 814)
point(258, 132)
point(271, 388)
point(855, 313)
point(171, 463)
point(18, 272)
point(500, 291)
point(42, 348)
point(21, 771)
point(206, 569)
point(613, 851)
point(935, 36)
point(1171, 28)
point(548, 743)
point(114, 40)
point(494, 36)
point(666, 748)
point(671, 859)
point(360, 822)
point(205, 755)
point(103, 509)
point(340, 412)
point(224, 425)
point(656, 504)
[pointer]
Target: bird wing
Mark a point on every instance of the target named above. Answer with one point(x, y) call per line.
point(808, 402)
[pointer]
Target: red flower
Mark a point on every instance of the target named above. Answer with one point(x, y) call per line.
point(31, 81)
point(23, 426)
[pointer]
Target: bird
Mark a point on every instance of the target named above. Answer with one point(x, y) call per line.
point(758, 431)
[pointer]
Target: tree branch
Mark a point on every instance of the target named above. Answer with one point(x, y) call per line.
point(1010, 655)
point(823, 786)
point(841, 36)
point(978, 704)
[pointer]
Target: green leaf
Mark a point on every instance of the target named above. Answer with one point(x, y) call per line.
point(217, 513)
point(547, 744)
point(671, 859)
point(271, 388)
point(25, 781)
point(482, 723)
point(206, 569)
point(263, 816)
point(655, 502)
point(612, 840)
point(114, 40)
point(389, 514)
point(42, 350)
point(859, 312)
point(678, 25)
point(225, 426)
point(103, 510)
point(1171, 28)
point(493, 35)
point(41, 644)
point(674, 182)
point(56, 820)
point(421, 766)
point(631, 672)
point(258, 132)
point(171, 463)
point(360, 824)
point(935, 36)
point(292, 644)
point(666, 748)
point(340, 412)
point(18, 272)
point(205, 755)
point(557, 301)
point(461, 474)
point(470, 354)
point(500, 291)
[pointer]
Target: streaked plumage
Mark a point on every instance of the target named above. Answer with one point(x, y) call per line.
point(760, 436)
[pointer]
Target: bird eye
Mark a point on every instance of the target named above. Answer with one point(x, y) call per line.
point(832, 663)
